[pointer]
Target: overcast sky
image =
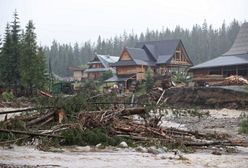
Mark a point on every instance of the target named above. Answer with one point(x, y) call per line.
point(69, 21)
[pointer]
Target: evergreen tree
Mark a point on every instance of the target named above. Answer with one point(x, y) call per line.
point(41, 75)
point(5, 57)
point(149, 80)
point(202, 43)
point(32, 61)
point(15, 51)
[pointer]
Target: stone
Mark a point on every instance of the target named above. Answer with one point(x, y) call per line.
point(98, 145)
point(82, 149)
point(165, 149)
point(153, 150)
point(123, 144)
point(141, 149)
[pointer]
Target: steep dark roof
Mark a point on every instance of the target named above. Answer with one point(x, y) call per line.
point(124, 63)
point(240, 45)
point(163, 59)
point(138, 53)
point(163, 47)
point(236, 55)
point(140, 57)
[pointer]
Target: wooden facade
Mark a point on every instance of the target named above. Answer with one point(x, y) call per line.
point(225, 71)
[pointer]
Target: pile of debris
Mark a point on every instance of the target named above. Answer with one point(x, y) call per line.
point(235, 80)
point(118, 122)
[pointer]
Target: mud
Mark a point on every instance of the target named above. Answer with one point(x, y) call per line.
point(208, 97)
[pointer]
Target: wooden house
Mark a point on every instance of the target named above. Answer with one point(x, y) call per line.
point(99, 65)
point(233, 62)
point(158, 57)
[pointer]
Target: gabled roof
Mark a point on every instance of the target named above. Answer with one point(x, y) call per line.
point(151, 53)
point(106, 60)
point(236, 55)
point(138, 57)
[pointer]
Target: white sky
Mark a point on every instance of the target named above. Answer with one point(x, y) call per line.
point(70, 21)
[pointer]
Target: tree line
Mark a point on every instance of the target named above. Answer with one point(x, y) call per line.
point(23, 62)
point(202, 43)
point(22, 65)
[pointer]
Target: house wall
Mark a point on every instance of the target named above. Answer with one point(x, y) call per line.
point(78, 75)
point(128, 70)
point(96, 65)
point(180, 57)
point(125, 56)
point(241, 70)
point(94, 75)
point(200, 73)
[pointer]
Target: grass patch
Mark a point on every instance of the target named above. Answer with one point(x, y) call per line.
point(244, 125)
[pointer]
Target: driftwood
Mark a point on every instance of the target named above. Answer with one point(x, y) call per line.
point(29, 133)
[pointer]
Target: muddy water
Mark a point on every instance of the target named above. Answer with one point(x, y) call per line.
point(119, 158)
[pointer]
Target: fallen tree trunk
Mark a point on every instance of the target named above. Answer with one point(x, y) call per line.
point(29, 133)
point(24, 110)
point(39, 119)
point(227, 142)
point(132, 111)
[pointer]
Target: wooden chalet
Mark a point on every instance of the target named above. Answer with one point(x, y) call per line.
point(158, 56)
point(233, 62)
point(100, 64)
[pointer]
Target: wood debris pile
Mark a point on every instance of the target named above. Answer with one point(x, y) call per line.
point(235, 80)
point(119, 122)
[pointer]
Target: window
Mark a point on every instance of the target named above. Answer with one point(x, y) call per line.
point(178, 55)
point(228, 71)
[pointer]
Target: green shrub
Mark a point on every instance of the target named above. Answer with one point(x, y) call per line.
point(149, 81)
point(180, 77)
point(77, 136)
point(8, 96)
point(244, 125)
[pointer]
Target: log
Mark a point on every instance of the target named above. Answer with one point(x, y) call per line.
point(132, 111)
point(139, 138)
point(227, 142)
point(23, 110)
point(47, 121)
point(160, 97)
point(39, 119)
point(30, 133)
